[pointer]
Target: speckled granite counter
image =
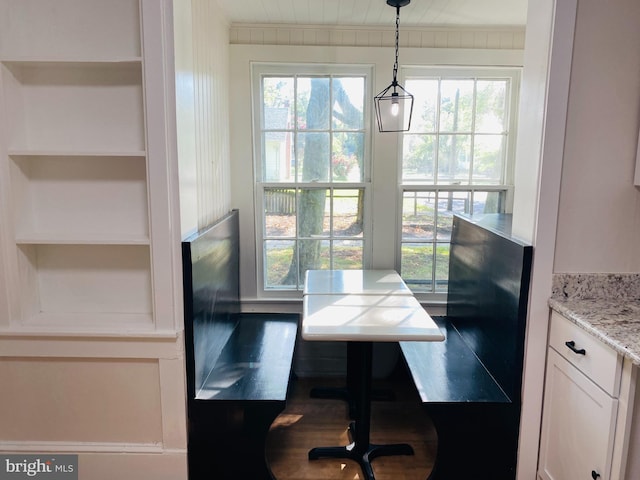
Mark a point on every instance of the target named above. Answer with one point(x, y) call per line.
point(605, 305)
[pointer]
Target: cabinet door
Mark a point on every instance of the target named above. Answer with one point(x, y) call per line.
point(578, 425)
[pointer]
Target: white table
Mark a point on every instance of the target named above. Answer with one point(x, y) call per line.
point(365, 282)
point(362, 318)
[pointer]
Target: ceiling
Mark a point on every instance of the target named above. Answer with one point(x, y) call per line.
point(419, 13)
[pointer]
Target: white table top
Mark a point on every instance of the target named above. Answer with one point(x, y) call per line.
point(366, 282)
point(379, 318)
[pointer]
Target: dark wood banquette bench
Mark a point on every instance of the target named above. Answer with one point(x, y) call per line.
point(470, 384)
point(238, 365)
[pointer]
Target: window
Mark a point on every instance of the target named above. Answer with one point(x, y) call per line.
point(313, 161)
point(311, 135)
point(457, 158)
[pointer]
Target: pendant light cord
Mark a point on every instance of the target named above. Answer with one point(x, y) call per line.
point(395, 65)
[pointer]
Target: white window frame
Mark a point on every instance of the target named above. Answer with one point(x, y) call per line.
point(260, 70)
point(506, 185)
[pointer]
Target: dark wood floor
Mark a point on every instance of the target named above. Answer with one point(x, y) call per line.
point(308, 423)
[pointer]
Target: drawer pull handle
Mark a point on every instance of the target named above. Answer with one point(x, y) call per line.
point(572, 346)
point(594, 474)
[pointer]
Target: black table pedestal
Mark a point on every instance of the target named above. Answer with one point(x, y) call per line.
point(349, 393)
point(361, 450)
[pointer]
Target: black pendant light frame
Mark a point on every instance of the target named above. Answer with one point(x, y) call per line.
point(394, 93)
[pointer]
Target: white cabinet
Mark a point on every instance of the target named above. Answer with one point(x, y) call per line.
point(587, 397)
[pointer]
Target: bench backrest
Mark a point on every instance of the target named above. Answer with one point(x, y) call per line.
point(489, 274)
point(211, 270)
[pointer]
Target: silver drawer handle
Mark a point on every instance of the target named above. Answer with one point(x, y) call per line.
point(572, 346)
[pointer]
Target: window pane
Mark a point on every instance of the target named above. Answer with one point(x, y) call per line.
point(277, 94)
point(490, 106)
point(314, 255)
point(417, 265)
point(348, 106)
point(280, 212)
point(425, 93)
point(312, 152)
point(442, 266)
point(347, 254)
point(450, 203)
point(347, 157)
point(313, 209)
point(347, 213)
point(488, 159)
point(418, 157)
point(454, 159)
point(456, 105)
point(277, 157)
point(418, 215)
point(313, 103)
point(488, 202)
point(278, 255)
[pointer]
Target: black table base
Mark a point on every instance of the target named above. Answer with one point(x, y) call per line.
point(363, 458)
point(349, 392)
point(361, 450)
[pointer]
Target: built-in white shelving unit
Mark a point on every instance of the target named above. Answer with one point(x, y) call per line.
point(89, 241)
point(75, 163)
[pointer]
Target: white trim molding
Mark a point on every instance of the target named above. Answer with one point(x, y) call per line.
point(500, 38)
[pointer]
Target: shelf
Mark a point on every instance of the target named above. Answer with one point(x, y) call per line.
point(85, 284)
point(64, 238)
point(69, 62)
point(78, 199)
point(74, 107)
point(96, 28)
point(68, 153)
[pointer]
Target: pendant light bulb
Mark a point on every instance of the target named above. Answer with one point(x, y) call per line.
point(395, 105)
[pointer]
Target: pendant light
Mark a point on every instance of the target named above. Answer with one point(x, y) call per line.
point(394, 104)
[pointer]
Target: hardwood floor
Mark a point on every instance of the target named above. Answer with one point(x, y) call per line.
point(309, 422)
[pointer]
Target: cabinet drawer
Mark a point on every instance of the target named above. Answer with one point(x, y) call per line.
point(599, 362)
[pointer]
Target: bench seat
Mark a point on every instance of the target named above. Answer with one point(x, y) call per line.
point(255, 362)
point(449, 371)
point(243, 392)
point(238, 365)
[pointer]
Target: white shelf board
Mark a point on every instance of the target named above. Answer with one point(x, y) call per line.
point(69, 61)
point(71, 153)
point(63, 238)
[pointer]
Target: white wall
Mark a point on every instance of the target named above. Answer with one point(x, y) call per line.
point(202, 85)
point(599, 215)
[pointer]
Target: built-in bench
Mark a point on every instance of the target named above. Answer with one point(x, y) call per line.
point(470, 384)
point(239, 365)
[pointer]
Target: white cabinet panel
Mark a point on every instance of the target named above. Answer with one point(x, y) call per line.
point(578, 425)
point(81, 400)
point(596, 360)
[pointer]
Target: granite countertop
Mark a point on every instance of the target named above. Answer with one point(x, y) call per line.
point(605, 305)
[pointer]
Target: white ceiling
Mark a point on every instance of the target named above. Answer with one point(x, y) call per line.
point(377, 12)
